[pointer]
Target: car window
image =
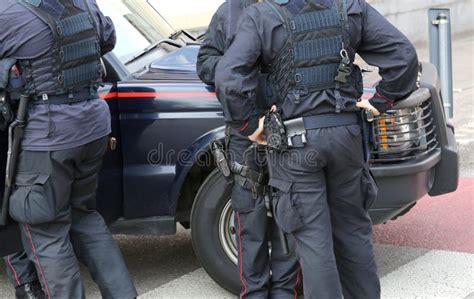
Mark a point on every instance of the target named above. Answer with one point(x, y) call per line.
point(138, 25)
point(183, 60)
point(186, 14)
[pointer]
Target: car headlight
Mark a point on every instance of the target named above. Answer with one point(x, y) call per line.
point(403, 134)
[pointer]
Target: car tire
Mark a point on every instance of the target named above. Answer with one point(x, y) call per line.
point(212, 200)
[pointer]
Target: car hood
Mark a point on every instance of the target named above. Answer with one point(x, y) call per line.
point(179, 64)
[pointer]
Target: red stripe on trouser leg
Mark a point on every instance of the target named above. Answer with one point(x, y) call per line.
point(296, 284)
point(38, 262)
point(242, 280)
point(301, 267)
point(13, 271)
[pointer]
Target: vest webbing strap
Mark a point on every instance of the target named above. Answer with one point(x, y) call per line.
point(82, 73)
point(75, 24)
point(80, 49)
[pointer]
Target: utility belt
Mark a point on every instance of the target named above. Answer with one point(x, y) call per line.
point(280, 133)
point(65, 98)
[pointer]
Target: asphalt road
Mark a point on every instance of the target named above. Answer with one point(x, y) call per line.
point(429, 253)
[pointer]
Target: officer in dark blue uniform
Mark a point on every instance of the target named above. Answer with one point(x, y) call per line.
point(248, 202)
point(57, 46)
point(324, 187)
point(20, 270)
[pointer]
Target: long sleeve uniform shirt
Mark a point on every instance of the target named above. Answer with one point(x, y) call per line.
point(57, 127)
point(260, 37)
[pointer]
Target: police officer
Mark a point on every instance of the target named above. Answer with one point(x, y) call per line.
point(58, 45)
point(21, 271)
point(248, 202)
point(323, 181)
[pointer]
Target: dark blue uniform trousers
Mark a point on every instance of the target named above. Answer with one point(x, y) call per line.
point(324, 192)
point(54, 203)
point(20, 270)
point(254, 231)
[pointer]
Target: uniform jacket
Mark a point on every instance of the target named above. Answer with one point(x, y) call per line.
point(261, 35)
point(218, 38)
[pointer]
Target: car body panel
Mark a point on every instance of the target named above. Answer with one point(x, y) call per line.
point(160, 125)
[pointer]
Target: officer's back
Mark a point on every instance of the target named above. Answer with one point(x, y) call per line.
point(323, 183)
point(58, 46)
point(369, 34)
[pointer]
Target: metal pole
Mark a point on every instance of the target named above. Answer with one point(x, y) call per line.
point(442, 22)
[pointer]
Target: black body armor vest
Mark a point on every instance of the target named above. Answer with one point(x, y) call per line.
point(317, 55)
point(73, 63)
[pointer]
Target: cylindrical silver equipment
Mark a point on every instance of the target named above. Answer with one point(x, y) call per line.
point(443, 32)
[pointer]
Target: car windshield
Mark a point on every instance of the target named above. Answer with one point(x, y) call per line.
point(138, 26)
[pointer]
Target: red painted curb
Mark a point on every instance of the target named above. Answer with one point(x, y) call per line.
point(445, 222)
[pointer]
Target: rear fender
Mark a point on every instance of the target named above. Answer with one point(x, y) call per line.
point(199, 147)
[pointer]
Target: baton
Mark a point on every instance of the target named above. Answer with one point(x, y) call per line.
point(15, 135)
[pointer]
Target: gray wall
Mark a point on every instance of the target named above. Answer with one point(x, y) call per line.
point(411, 16)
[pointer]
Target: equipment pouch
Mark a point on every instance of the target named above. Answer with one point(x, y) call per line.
point(31, 202)
point(295, 127)
point(221, 159)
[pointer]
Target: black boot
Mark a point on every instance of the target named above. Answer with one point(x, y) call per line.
point(30, 291)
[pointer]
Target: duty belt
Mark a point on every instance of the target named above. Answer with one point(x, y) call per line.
point(66, 98)
point(298, 126)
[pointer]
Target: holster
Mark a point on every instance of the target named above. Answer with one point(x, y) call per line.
point(275, 132)
point(221, 158)
point(249, 179)
point(6, 113)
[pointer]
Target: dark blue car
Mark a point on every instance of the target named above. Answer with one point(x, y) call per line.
point(164, 118)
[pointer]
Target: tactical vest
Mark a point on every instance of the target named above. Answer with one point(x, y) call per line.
point(317, 54)
point(73, 63)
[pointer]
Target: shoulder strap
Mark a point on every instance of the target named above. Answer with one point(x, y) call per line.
point(34, 7)
point(234, 10)
point(342, 9)
point(272, 5)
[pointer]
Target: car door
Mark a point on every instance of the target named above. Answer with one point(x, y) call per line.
point(159, 121)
